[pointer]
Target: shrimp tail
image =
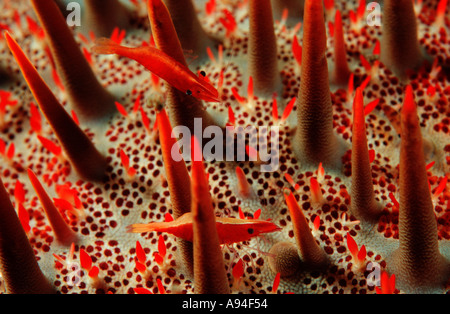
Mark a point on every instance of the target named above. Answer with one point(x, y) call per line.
point(141, 228)
point(105, 46)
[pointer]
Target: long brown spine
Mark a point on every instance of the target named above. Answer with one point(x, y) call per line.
point(85, 93)
point(209, 267)
point(417, 263)
point(179, 182)
point(18, 265)
point(311, 254)
point(315, 140)
point(263, 56)
point(63, 233)
point(341, 72)
point(400, 49)
point(363, 204)
point(80, 151)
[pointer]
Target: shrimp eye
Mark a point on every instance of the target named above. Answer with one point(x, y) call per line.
point(250, 231)
point(203, 73)
point(189, 92)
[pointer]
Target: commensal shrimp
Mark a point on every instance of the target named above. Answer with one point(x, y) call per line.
point(229, 230)
point(173, 72)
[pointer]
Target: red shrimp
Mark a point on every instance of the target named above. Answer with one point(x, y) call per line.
point(229, 230)
point(173, 72)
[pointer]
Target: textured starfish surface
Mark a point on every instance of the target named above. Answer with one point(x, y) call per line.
point(324, 245)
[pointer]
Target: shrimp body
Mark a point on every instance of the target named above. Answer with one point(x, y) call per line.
point(229, 230)
point(173, 72)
